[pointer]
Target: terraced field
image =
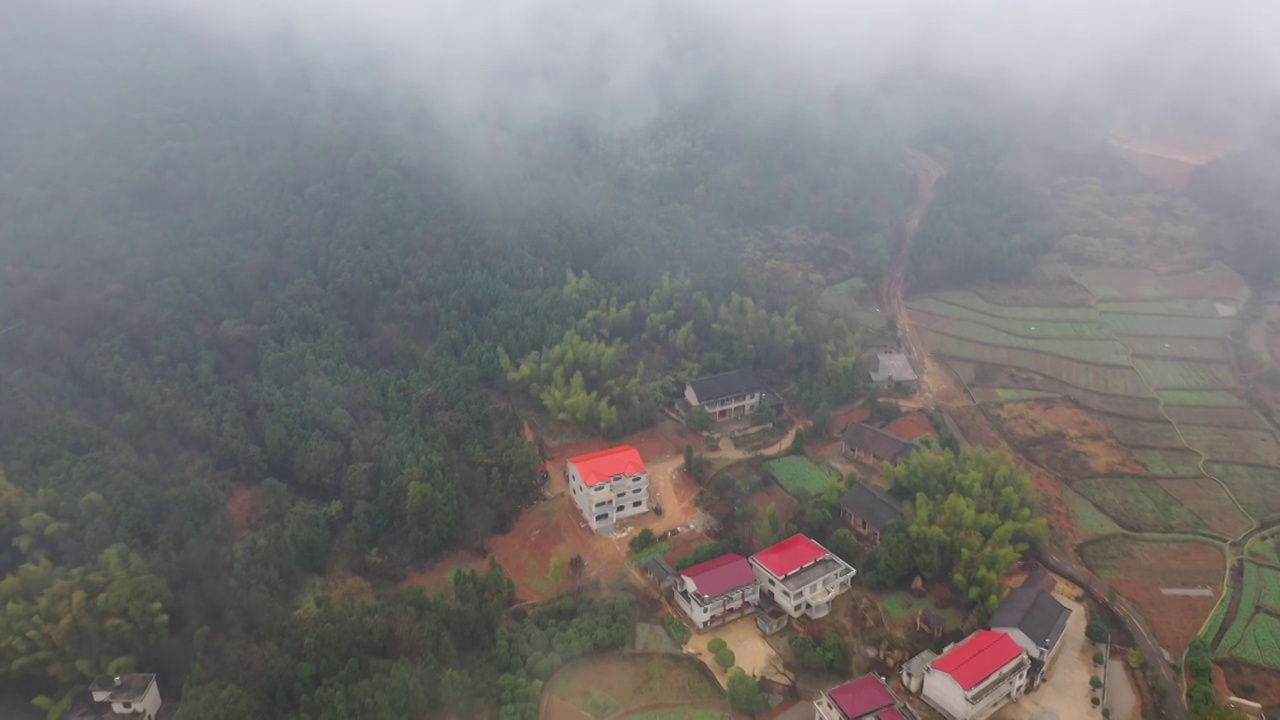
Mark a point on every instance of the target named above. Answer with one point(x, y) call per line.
point(1253, 635)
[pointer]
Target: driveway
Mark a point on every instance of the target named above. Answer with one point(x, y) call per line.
point(751, 651)
point(1065, 693)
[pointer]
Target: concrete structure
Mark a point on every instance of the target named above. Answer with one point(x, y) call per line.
point(868, 444)
point(120, 697)
point(729, 396)
point(718, 590)
point(914, 669)
point(889, 368)
point(974, 678)
point(864, 698)
point(869, 510)
point(801, 576)
point(1035, 620)
point(608, 486)
point(661, 571)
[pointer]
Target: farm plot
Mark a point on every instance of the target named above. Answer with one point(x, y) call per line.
point(1175, 347)
point(1185, 374)
point(1201, 398)
point(1254, 633)
point(800, 477)
point(852, 298)
point(1244, 418)
point(606, 684)
point(1102, 352)
point(1216, 281)
point(1257, 488)
point(1014, 326)
point(1016, 380)
point(1086, 517)
point(1169, 463)
point(1072, 442)
point(1139, 504)
point(1144, 433)
point(998, 395)
point(973, 301)
point(1245, 447)
point(1205, 498)
point(1184, 307)
point(1167, 325)
point(1100, 379)
point(1138, 569)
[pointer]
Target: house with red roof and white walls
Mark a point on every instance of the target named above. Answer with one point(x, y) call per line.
point(976, 676)
point(801, 576)
point(719, 590)
point(863, 698)
point(609, 485)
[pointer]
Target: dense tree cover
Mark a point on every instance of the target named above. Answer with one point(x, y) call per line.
point(1242, 189)
point(745, 694)
point(969, 519)
point(822, 653)
point(1203, 700)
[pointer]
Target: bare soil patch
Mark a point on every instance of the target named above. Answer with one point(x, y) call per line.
point(536, 552)
point(1254, 683)
point(842, 419)
point(911, 427)
point(244, 509)
point(1066, 439)
point(633, 681)
point(438, 576)
point(1206, 498)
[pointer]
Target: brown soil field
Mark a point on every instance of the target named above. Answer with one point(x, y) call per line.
point(773, 496)
point(1206, 498)
point(634, 681)
point(436, 577)
point(911, 427)
point(539, 547)
point(1066, 439)
point(244, 510)
point(1145, 433)
point(842, 419)
point(1254, 683)
point(555, 708)
point(1138, 569)
point(681, 546)
point(1135, 283)
point(1134, 407)
point(1244, 418)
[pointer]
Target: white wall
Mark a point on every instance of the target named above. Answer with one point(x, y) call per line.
point(147, 707)
point(840, 579)
point(942, 691)
point(622, 492)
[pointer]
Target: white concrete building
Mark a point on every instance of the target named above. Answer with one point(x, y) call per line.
point(608, 486)
point(977, 676)
point(801, 576)
point(123, 696)
point(730, 395)
point(718, 590)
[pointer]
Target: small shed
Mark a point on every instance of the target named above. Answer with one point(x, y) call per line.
point(661, 571)
point(914, 669)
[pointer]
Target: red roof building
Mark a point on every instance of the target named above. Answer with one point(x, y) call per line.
point(718, 576)
point(604, 465)
point(977, 676)
point(864, 698)
point(790, 555)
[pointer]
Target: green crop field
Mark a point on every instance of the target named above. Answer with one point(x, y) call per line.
point(1087, 516)
point(1265, 551)
point(1255, 487)
point(1260, 643)
point(973, 301)
point(1169, 463)
point(1214, 625)
point(1185, 373)
point(800, 477)
point(1017, 394)
point(1254, 634)
point(1172, 347)
point(1098, 378)
point(1145, 433)
point(1206, 398)
point(1103, 352)
point(1182, 307)
point(1023, 327)
point(1164, 325)
point(1140, 505)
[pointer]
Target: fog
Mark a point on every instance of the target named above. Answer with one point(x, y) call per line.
point(620, 60)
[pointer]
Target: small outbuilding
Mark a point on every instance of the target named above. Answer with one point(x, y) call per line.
point(868, 444)
point(661, 571)
point(869, 511)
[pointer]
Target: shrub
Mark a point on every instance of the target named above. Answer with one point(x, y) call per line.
point(725, 658)
point(1134, 659)
point(677, 630)
point(745, 695)
point(1095, 682)
point(697, 419)
point(643, 540)
point(1097, 631)
point(715, 645)
point(1095, 701)
point(1097, 658)
point(824, 653)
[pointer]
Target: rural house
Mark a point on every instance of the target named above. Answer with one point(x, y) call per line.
point(730, 395)
point(1035, 620)
point(868, 444)
point(120, 697)
point(801, 576)
point(608, 486)
point(864, 698)
point(661, 571)
point(718, 590)
point(869, 510)
point(889, 368)
point(974, 678)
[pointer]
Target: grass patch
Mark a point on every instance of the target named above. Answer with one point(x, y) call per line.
point(635, 681)
point(1018, 395)
point(900, 606)
point(1201, 398)
point(1027, 328)
point(1093, 350)
point(849, 298)
point(1162, 373)
point(643, 556)
point(1265, 551)
point(1134, 324)
point(1140, 505)
point(799, 476)
point(1185, 307)
point(1086, 516)
point(1169, 463)
point(1214, 625)
point(973, 301)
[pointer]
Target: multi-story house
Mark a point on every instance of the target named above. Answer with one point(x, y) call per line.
point(863, 698)
point(1035, 620)
point(975, 677)
point(730, 395)
point(119, 697)
point(608, 486)
point(717, 591)
point(801, 576)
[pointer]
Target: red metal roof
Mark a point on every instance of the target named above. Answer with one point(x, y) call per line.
point(974, 660)
point(601, 465)
point(790, 555)
point(862, 696)
point(720, 575)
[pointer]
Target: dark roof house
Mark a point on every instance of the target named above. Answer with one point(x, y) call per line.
point(661, 571)
point(867, 442)
point(729, 384)
point(1038, 577)
point(870, 505)
point(1035, 615)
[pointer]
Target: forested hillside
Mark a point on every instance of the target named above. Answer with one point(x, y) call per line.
point(261, 331)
